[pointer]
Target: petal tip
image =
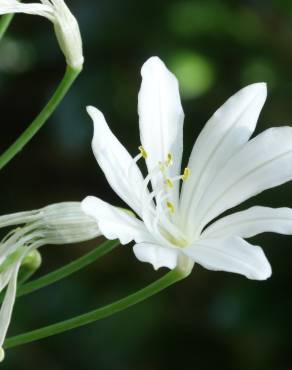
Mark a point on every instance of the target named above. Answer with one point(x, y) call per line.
point(265, 274)
point(94, 112)
point(100, 127)
point(258, 88)
point(262, 86)
point(152, 63)
point(87, 204)
point(264, 269)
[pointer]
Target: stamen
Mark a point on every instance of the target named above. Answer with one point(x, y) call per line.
point(170, 206)
point(186, 174)
point(143, 152)
point(169, 183)
point(135, 160)
point(169, 161)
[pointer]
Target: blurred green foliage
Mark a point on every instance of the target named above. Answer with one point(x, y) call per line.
point(211, 320)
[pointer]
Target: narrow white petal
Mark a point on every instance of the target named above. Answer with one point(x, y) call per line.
point(263, 163)
point(157, 255)
point(12, 6)
point(5, 277)
point(7, 305)
point(232, 255)
point(160, 116)
point(253, 221)
point(118, 166)
point(114, 222)
point(224, 134)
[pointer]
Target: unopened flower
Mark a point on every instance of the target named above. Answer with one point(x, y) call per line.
point(65, 24)
point(60, 223)
point(225, 169)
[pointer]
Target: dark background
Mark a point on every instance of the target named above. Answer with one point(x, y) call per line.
point(211, 320)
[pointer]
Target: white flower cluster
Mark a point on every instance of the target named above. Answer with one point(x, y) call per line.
point(61, 223)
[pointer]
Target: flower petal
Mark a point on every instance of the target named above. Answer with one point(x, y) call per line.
point(232, 255)
point(160, 117)
point(114, 222)
point(8, 303)
point(119, 167)
point(263, 163)
point(253, 221)
point(224, 134)
point(13, 6)
point(5, 277)
point(157, 255)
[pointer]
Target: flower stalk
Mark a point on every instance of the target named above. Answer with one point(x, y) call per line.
point(61, 223)
point(4, 23)
point(157, 286)
point(67, 81)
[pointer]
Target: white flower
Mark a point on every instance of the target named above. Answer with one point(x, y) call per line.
point(65, 24)
point(225, 168)
point(60, 223)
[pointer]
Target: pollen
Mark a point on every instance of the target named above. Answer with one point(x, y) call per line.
point(170, 206)
point(169, 160)
point(169, 183)
point(143, 152)
point(186, 174)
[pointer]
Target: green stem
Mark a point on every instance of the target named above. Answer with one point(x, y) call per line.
point(69, 77)
point(68, 269)
point(100, 313)
point(5, 21)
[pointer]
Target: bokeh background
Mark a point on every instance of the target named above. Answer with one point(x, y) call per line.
point(212, 319)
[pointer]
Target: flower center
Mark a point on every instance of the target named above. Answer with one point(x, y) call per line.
point(158, 206)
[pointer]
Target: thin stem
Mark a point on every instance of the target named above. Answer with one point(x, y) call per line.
point(68, 269)
point(69, 77)
point(5, 21)
point(100, 313)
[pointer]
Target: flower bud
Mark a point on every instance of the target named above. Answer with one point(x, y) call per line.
point(65, 223)
point(68, 34)
point(60, 223)
point(65, 25)
point(29, 265)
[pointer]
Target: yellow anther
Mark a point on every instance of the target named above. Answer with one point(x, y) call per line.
point(169, 160)
point(170, 206)
point(186, 174)
point(143, 152)
point(169, 183)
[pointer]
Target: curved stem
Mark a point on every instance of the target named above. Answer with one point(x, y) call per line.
point(5, 21)
point(69, 77)
point(100, 313)
point(68, 269)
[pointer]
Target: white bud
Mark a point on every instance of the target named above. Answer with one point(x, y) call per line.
point(59, 223)
point(65, 25)
point(68, 34)
point(64, 223)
